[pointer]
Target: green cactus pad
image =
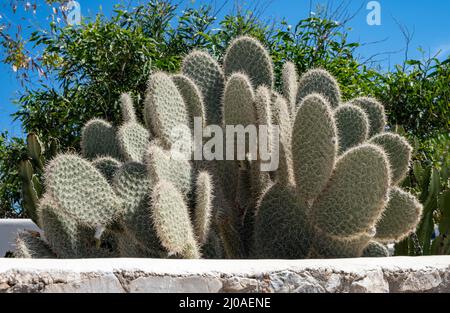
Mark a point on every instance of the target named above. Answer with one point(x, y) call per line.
point(246, 55)
point(338, 247)
point(61, 230)
point(289, 77)
point(80, 190)
point(98, 139)
point(282, 119)
point(314, 146)
point(321, 82)
point(129, 247)
point(192, 98)
point(133, 140)
point(212, 249)
point(172, 222)
point(207, 74)
point(352, 125)
point(262, 106)
point(375, 113)
point(354, 198)
point(164, 109)
point(281, 228)
point(400, 218)
point(375, 250)
point(107, 166)
point(127, 108)
point(203, 206)
point(398, 151)
point(133, 185)
point(69, 239)
point(238, 101)
point(31, 246)
point(162, 165)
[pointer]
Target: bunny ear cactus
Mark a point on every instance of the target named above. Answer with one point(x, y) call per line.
point(192, 98)
point(135, 191)
point(314, 125)
point(107, 166)
point(290, 86)
point(208, 76)
point(128, 195)
point(321, 82)
point(375, 250)
point(246, 55)
point(324, 147)
point(352, 125)
point(132, 137)
point(80, 190)
point(98, 138)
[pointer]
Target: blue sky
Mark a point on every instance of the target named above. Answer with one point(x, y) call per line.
point(429, 20)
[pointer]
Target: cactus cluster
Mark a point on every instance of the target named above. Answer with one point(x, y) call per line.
point(335, 193)
point(126, 194)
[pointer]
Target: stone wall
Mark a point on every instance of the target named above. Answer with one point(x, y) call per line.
point(395, 274)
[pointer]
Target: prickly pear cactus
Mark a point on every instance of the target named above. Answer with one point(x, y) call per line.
point(335, 192)
point(135, 190)
point(128, 195)
point(31, 172)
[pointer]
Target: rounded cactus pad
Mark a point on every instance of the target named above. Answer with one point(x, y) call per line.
point(70, 239)
point(262, 106)
point(98, 139)
point(207, 74)
point(375, 113)
point(172, 222)
point(129, 247)
point(164, 109)
point(192, 98)
point(331, 247)
point(162, 165)
point(321, 82)
point(203, 206)
point(353, 126)
point(107, 166)
point(401, 216)
point(238, 101)
point(80, 190)
point(375, 250)
point(282, 119)
point(289, 77)
point(127, 108)
point(281, 228)
point(247, 55)
point(133, 185)
point(133, 140)
point(356, 194)
point(61, 229)
point(314, 146)
point(31, 246)
point(398, 151)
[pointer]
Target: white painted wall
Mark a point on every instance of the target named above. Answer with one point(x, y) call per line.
point(8, 231)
